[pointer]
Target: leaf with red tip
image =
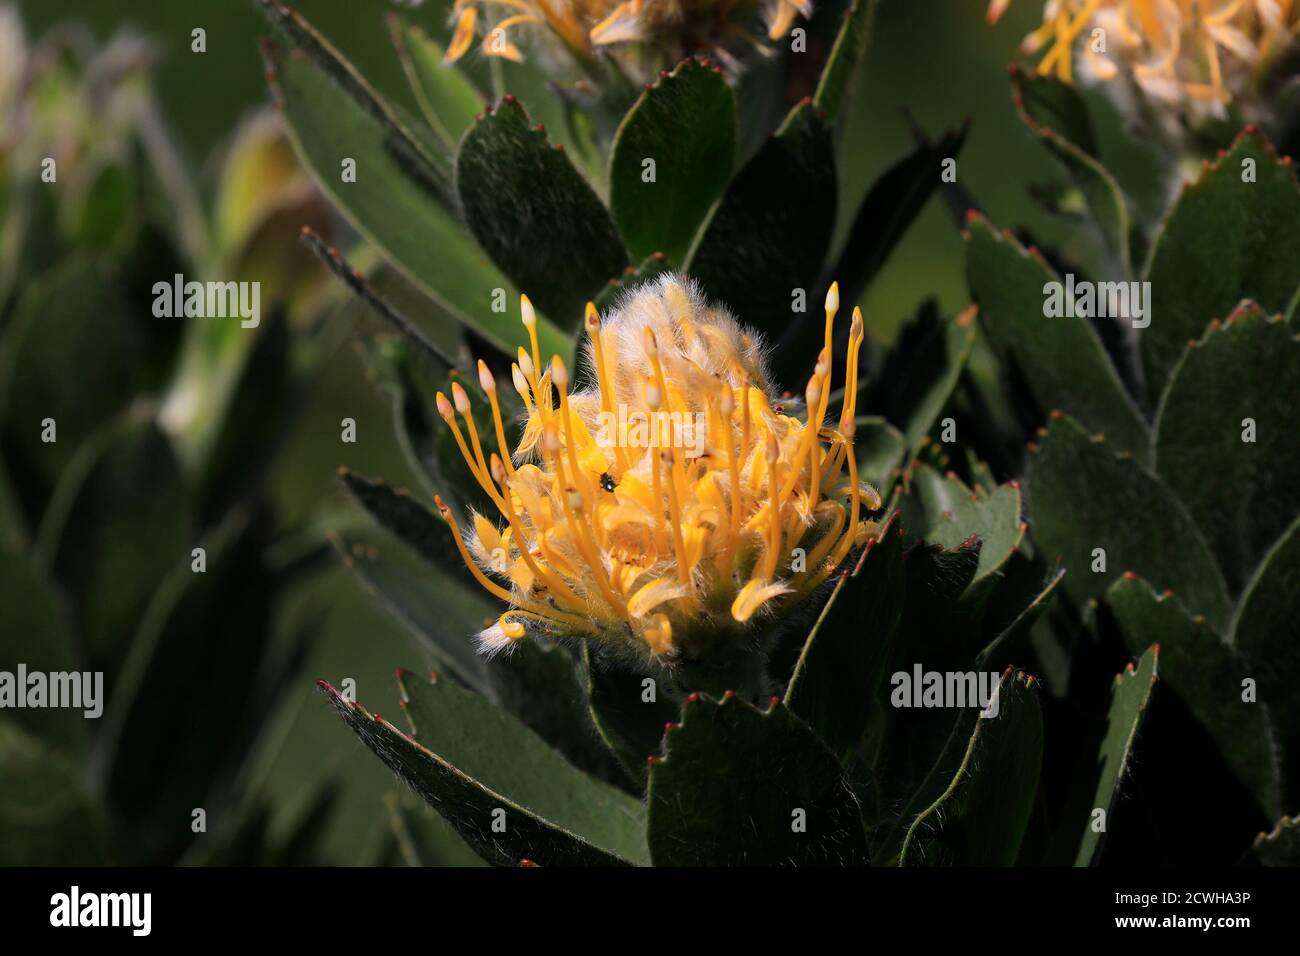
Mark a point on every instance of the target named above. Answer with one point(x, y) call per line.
point(1206, 673)
point(1098, 781)
point(631, 726)
point(394, 203)
point(844, 659)
point(730, 792)
point(535, 214)
point(943, 511)
point(686, 123)
point(1061, 358)
point(1281, 845)
point(1056, 113)
point(989, 781)
point(1225, 240)
point(308, 46)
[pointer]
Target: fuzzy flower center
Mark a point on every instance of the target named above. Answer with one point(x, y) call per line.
point(673, 494)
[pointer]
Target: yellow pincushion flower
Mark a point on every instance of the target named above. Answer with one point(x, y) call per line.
point(671, 499)
point(584, 26)
point(1197, 54)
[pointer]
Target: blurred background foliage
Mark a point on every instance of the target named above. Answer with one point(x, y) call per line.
point(934, 59)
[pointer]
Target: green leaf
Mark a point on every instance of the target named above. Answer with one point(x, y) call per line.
point(846, 54)
point(119, 521)
point(769, 233)
point(245, 438)
point(887, 210)
point(411, 380)
point(561, 107)
point(630, 725)
point(1246, 368)
point(446, 97)
point(539, 682)
point(1225, 240)
point(936, 616)
point(981, 817)
point(467, 758)
point(686, 123)
point(1050, 107)
point(1008, 283)
point(535, 215)
point(945, 512)
point(1083, 496)
point(1097, 783)
point(1055, 113)
point(14, 533)
point(397, 210)
point(438, 610)
point(1206, 673)
point(931, 376)
point(733, 783)
point(944, 630)
point(1266, 632)
point(69, 326)
point(396, 511)
point(429, 166)
point(837, 679)
point(1020, 577)
point(165, 746)
point(880, 448)
point(46, 817)
point(423, 837)
point(1280, 847)
point(36, 630)
point(102, 210)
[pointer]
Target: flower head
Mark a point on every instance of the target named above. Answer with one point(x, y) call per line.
point(584, 26)
point(1195, 54)
point(672, 498)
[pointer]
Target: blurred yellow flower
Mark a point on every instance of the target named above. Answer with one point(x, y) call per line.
point(1197, 53)
point(583, 26)
point(674, 495)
